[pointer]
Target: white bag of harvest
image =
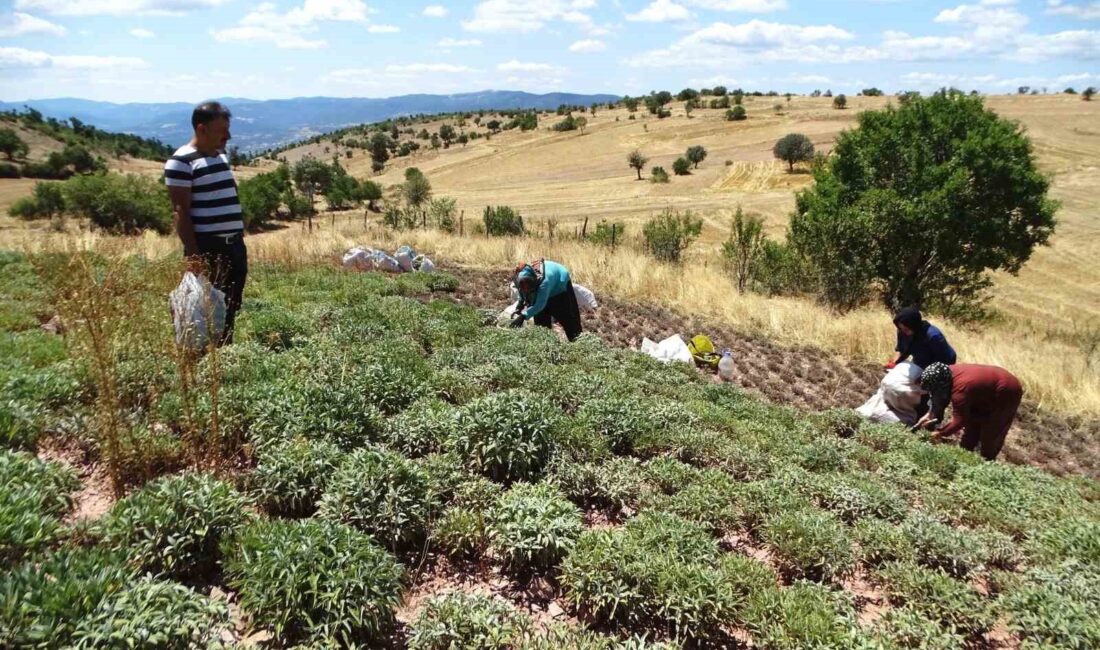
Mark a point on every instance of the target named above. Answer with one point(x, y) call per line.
point(876, 410)
point(898, 396)
point(505, 317)
point(404, 257)
point(359, 259)
point(586, 300)
point(384, 262)
point(671, 349)
point(198, 312)
point(424, 264)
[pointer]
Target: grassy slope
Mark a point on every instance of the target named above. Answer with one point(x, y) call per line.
point(786, 494)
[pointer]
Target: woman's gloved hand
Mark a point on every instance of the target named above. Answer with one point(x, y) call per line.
point(517, 321)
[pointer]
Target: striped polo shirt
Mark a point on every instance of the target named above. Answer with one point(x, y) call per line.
point(215, 207)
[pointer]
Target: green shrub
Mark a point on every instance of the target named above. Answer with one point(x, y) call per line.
point(461, 533)
point(173, 525)
point(616, 483)
point(291, 476)
point(838, 423)
point(34, 498)
point(505, 436)
point(669, 235)
point(881, 542)
point(153, 615)
point(125, 204)
point(311, 580)
point(422, 428)
point(938, 546)
point(446, 473)
point(621, 420)
point(669, 475)
point(936, 596)
point(710, 500)
point(804, 615)
point(760, 500)
point(658, 573)
point(501, 221)
point(46, 202)
point(852, 499)
point(681, 166)
point(9, 170)
point(809, 544)
point(382, 493)
point(275, 327)
point(904, 627)
point(90, 599)
point(468, 622)
point(1070, 539)
point(736, 114)
point(658, 175)
point(1014, 500)
point(18, 428)
point(532, 527)
point(1056, 607)
point(312, 407)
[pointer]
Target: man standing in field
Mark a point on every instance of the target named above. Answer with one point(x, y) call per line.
point(206, 210)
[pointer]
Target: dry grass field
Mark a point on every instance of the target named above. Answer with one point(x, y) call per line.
point(1048, 315)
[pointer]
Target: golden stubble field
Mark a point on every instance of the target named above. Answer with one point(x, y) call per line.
point(1048, 312)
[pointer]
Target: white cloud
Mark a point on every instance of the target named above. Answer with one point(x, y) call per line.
point(521, 66)
point(660, 11)
point(758, 33)
point(588, 45)
point(809, 79)
point(936, 80)
point(459, 42)
point(139, 32)
point(422, 68)
point(18, 57)
point(1086, 11)
point(117, 7)
point(435, 11)
point(526, 16)
point(289, 30)
point(383, 29)
point(19, 23)
point(747, 6)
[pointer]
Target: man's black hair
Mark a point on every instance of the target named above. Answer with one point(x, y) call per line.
point(207, 112)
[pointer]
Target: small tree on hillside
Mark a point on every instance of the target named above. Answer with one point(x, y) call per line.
point(840, 102)
point(493, 126)
point(688, 106)
point(379, 150)
point(924, 199)
point(696, 154)
point(736, 114)
point(681, 166)
point(669, 235)
point(744, 245)
point(12, 145)
point(501, 221)
point(792, 148)
point(631, 104)
point(637, 161)
point(447, 135)
point(1088, 93)
point(311, 176)
point(416, 189)
point(370, 192)
point(581, 122)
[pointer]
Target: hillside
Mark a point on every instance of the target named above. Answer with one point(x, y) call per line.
point(261, 124)
point(369, 464)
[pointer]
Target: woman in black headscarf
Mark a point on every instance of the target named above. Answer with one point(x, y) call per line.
point(920, 340)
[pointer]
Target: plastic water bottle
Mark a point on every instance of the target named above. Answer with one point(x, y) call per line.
point(725, 365)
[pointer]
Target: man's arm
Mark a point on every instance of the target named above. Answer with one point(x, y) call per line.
point(181, 217)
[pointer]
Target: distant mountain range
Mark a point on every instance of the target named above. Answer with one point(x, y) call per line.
point(258, 124)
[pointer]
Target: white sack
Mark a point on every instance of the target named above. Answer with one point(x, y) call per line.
point(898, 396)
point(198, 312)
point(358, 259)
point(404, 258)
point(586, 300)
point(671, 349)
point(426, 265)
point(384, 262)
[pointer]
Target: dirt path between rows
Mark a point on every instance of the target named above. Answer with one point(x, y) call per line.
point(805, 378)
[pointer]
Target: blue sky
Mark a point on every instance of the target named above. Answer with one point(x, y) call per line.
point(186, 50)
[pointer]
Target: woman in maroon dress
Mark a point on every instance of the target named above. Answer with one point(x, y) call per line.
point(984, 401)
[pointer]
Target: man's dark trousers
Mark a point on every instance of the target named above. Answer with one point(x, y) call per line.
point(226, 261)
point(564, 309)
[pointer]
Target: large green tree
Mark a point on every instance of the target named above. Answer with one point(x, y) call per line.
point(924, 200)
point(11, 145)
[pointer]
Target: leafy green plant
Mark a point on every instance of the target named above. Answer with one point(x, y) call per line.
point(621, 420)
point(153, 615)
point(1076, 539)
point(468, 622)
point(809, 544)
point(667, 236)
point(938, 546)
point(710, 500)
point(1055, 607)
point(853, 499)
point(502, 220)
point(804, 615)
point(506, 436)
point(616, 483)
point(658, 573)
point(937, 596)
point(882, 542)
point(173, 526)
point(533, 526)
point(903, 627)
point(34, 498)
point(382, 493)
point(422, 428)
point(291, 476)
point(312, 580)
point(461, 533)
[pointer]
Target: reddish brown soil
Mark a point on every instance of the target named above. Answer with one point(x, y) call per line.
point(802, 377)
point(95, 497)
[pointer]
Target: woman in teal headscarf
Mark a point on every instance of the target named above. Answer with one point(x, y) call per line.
point(546, 295)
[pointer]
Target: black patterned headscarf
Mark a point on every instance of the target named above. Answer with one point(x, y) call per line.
point(937, 380)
